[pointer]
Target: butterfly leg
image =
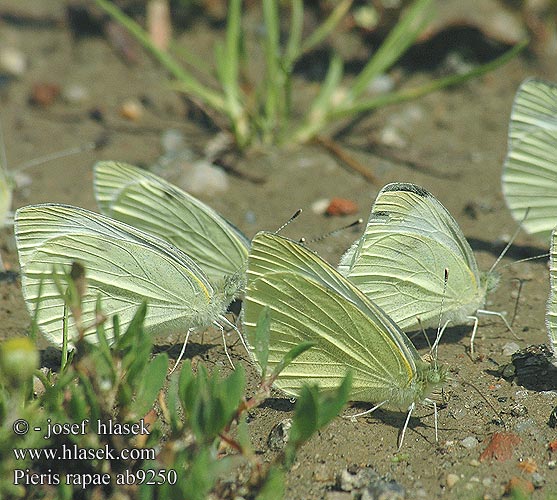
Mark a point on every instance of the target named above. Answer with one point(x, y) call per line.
point(406, 422)
point(182, 352)
point(473, 336)
point(353, 417)
point(219, 326)
point(503, 318)
point(235, 328)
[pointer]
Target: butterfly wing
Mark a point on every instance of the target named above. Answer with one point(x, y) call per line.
point(123, 267)
point(400, 260)
point(146, 201)
point(551, 313)
point(313, 302)
point(530, 170)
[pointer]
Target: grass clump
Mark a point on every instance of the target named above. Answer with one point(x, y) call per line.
point(262, 111)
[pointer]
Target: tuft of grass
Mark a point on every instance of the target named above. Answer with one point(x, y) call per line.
point(262, 111)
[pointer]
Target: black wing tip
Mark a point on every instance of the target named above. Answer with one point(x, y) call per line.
point(407, 187)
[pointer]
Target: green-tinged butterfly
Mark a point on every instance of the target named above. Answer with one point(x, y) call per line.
point(147, 202)
point(399, 261)
point(551, 312)
point(124, 266)
point(530, 169)
point(311, 301)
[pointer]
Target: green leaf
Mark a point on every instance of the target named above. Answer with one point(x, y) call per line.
point(290, 356)
point(274, 486)
point(150, 385)
point(330, 405)
point(262, 333)
point(305, 420)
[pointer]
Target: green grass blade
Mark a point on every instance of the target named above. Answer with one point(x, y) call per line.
point(188, 83)
point(364, 105)
point(401, 37)
point(327, 27)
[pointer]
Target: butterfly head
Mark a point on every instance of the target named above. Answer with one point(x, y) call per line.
point(431, 379)
point(490, 281)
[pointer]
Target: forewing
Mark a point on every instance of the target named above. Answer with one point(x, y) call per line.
point(400, 260)
point(530, 170)
point(146, 201)
point(271, 253)
point(123, 271)
point(305, 310)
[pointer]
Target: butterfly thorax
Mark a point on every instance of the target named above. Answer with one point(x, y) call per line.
point(429, 378)
point(234, 285)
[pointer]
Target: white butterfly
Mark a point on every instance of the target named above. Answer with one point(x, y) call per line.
point(399, 262)
point(311, 301)
point(530, 170)
point(184, 287)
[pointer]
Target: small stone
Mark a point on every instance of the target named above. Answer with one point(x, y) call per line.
point(451, 480)
point(12, 61)
point(381, 84)
point(341, 207)
point(487, 482)
point(552, 422)
point(469, 442)
point(474, 462)
point(508, 372)
point(322, 474)
point(131, 109)
point(392, 137)
point(278, 437)
point(538, 480)
point(319, 207)
point(44, 94)
point(75, 93)
point(338, 495)
point(510, 348)
point(384, 490)
point(519, 410)
point(205, 178)
point(356, 478)
point(172, 141)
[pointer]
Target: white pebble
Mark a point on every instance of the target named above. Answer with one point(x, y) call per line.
point(205, 178)
point(75, 93)
point(320, 206)
point(510, 348)
point(469, 442)
point(172, 140)
point(451, 480)
point(12, 61)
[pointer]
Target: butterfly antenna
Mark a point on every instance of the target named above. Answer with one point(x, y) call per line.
point(294, 216)
point(509, 244)
point(315, 239)
point(88, 146)
point(526, 259)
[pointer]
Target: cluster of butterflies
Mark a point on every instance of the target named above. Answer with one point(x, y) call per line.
point(157, 243)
